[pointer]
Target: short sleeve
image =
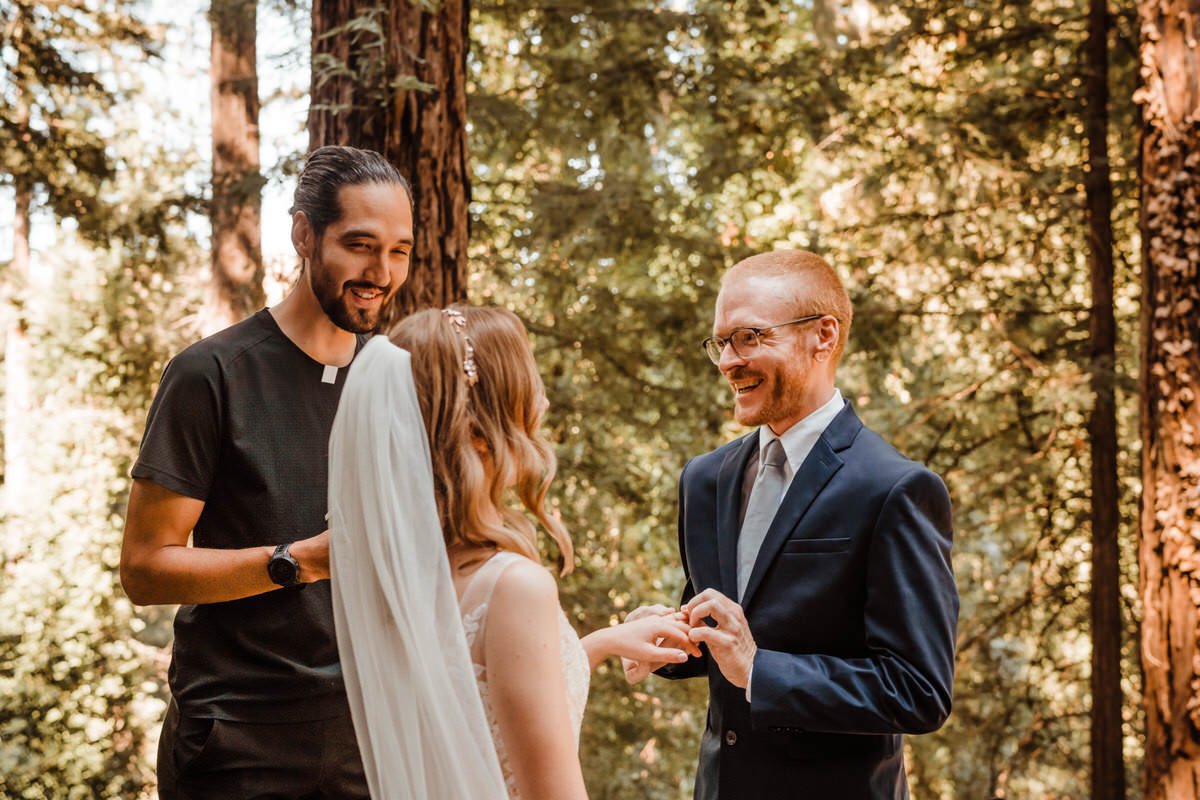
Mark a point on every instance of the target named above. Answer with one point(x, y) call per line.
point(181, 444)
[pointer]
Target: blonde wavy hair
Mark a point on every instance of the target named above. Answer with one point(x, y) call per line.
point(501, 411)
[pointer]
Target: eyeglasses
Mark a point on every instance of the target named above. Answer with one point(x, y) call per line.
point(745, 340)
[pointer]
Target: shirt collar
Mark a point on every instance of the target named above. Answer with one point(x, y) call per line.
point(799, 439)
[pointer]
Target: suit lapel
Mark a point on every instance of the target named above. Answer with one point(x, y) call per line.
point(729, 497)
point(821, 464)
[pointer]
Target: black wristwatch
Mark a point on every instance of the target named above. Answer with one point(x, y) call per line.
point(283, 568)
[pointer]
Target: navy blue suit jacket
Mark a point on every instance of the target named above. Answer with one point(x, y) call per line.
point(852, 604)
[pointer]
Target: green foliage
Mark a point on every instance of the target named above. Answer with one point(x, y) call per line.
point(53, 59)
point(80, 670)
point(625, 152)
point(623, 156)
point(73, 682)
point(80, 673)
point(963, 226)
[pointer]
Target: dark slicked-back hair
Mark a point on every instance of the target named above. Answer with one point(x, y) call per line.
point(330, 168)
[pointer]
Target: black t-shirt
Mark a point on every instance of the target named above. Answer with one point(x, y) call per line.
point(241, 421)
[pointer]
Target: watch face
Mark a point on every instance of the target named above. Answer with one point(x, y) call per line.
point(282, 570)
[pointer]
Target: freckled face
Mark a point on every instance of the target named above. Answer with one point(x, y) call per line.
point(362, 259)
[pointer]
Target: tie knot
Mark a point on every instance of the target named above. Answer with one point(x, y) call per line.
point(774, 456)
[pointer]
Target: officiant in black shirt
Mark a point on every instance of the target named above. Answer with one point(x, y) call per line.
point(234, 456)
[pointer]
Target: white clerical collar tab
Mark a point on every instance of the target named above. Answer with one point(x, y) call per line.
point(329, 375)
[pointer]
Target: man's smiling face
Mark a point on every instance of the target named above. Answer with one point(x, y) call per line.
point(772, 385)
point(362, 259)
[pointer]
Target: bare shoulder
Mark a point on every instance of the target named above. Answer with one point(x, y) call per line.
point(525, 584)
point(522, 620)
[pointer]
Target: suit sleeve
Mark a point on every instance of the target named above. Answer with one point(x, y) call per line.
point(696, 666)
point(904, 683)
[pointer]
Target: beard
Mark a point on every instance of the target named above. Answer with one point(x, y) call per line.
point(336, 304)
point(782, 394)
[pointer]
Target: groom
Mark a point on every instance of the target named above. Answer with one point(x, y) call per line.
point(817, 559)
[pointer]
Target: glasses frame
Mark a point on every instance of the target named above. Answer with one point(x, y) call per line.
point(727, 341)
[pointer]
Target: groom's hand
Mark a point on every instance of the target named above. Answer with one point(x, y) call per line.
point(730, 642)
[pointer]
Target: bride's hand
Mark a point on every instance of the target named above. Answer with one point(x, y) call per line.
point(636, 671)
point(656, 610)
point(654, 638)
point(637, 668)
point(660, 638)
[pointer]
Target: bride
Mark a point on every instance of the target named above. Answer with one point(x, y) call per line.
point(464, 676)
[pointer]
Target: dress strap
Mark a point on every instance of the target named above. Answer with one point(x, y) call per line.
point(479, 589)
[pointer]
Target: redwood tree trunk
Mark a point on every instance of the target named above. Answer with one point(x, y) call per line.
point(1170, 531)
point(236, 286)
point(1108, 768)
point(400, 88)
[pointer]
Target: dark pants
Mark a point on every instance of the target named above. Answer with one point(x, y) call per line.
point(201, 758)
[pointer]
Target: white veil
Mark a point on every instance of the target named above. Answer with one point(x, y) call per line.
point(417, 714)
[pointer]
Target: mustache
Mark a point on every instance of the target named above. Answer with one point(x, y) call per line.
point(741, 373)
point(348, 285)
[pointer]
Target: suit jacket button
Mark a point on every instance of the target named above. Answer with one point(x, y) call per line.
point(731, 738)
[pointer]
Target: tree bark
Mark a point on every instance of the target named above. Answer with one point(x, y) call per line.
point(396, 83)
point(1108, 768)
point(1170, 533)
point(236, 286)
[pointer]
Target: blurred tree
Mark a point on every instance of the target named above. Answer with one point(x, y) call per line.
point(1170, 569)
point(622, 152)
point(959, 201)
point(81, 677)
point(18, 394)
point(76, 687)
point(52, 157)
point(236, 286)
point(392, 78)
point(1107, 767)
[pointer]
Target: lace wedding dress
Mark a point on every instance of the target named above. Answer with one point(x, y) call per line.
point(474, 603)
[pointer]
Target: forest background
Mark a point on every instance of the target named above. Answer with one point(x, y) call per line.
point(620, 156)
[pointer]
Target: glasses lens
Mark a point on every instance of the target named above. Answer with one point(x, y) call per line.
point(713, 348)
point(744, 341)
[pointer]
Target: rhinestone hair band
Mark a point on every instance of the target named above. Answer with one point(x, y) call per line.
point(459, 323)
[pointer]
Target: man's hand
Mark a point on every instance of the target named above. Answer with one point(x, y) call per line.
point(312, 554)
point(730, 643)
point(635, 671)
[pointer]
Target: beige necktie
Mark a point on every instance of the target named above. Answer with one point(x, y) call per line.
point(764, 502)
